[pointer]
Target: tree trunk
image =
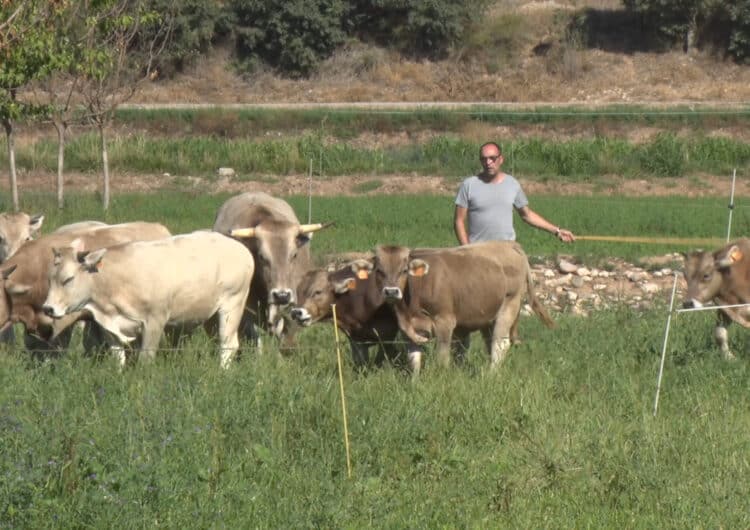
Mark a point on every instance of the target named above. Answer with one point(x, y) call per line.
point(60, 127)
point(12, 164)
point(105, 168)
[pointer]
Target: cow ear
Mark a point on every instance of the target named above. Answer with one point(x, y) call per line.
point(35, 224)
point(92, 261)
point(344, 285)
point(361, 268)
point(17, 289)
point(728, 258)
point(418, 268)
point(8, 271)
point(57, 256)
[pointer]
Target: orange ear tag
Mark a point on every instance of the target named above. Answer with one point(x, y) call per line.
point(99, 265)
point(362, 274)
point(736, 255)
point(418, 271)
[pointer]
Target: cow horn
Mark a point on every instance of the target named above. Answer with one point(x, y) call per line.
point(306, 229)
point(242, 232)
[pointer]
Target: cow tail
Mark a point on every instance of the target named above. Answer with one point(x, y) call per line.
point(536, 305)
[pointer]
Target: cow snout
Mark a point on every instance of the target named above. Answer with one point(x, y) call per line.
point(691, 303)
point(392, 293)
point(48, 310)
point(282, 296)
point(300, 315)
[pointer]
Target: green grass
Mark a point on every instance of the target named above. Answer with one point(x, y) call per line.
point(580, 160)
point(562, 435)
point(427, 220)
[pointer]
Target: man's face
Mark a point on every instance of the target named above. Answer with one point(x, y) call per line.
point(491, 160)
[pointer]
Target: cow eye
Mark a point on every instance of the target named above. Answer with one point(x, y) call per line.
point(66, 281)
point(707, 276)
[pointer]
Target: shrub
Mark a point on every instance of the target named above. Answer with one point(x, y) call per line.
point(292, 37)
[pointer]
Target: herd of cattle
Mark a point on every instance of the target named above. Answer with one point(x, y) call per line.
point(133, 283)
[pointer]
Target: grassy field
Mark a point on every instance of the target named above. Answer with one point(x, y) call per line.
point(562, 435)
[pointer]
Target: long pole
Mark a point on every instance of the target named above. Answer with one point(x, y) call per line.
point(731, 204)
point(343, 397)
point(664, 347)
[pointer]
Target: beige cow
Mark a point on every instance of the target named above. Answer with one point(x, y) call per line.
point(15, 230)
point(135, 290)
point(24, 279)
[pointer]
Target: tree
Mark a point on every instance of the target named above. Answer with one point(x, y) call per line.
point(680, 21)
point(292, 36)
point(115, 61)
point(23, 60)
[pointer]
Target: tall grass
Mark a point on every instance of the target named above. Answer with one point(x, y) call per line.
point(562, 435)
point(667, 155)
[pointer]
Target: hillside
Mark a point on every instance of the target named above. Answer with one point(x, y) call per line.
point(526, 53)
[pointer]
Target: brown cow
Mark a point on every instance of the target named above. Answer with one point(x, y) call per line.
point(360, 309)
point(722, 277)
point(24, 278)
point(269, 228)
point(473, 287)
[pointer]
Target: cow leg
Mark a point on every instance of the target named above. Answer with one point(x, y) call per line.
point(230, 319)
point(151, 335)
point(444, 327)
point(414, 354)
point(360, 354)
point(722, 336)
point(506, 317)
point(460, 345)
point(8, 336)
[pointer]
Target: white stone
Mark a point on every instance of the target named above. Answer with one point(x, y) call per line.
point(566, 267)
point(226, 172)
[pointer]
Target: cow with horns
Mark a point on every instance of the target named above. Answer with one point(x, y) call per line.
point(270, 230)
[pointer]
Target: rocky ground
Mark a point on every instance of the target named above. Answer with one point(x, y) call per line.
point(572, 287)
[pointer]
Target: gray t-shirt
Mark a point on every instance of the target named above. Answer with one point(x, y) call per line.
point(490, 207)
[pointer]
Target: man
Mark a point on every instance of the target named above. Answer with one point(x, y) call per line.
point(487, 200)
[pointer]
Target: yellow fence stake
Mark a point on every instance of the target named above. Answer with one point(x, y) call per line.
point(343, 398)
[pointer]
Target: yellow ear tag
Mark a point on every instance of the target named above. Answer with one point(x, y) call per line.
point(351, 284)
point(362, 274)
point(418, 271)
point(736, 255)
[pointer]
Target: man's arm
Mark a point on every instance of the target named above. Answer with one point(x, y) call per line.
point(534, 219)
point(459, 225)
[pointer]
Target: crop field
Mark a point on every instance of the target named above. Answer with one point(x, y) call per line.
point(561, 436)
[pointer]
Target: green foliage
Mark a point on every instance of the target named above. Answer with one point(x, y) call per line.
point(666, 155)
point(426, 29)
point(739, 44)
point(195, 26)
point(292, 37)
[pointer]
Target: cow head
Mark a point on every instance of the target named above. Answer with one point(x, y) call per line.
point(318, 290)
point(70, 279)
point(391, 267)
point(281, 254)
point(706, 273)
point(15, 230)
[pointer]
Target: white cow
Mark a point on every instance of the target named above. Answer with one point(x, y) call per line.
point(135, 289)
point(15, 230)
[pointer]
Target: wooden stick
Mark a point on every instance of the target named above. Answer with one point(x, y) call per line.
point(711, 242)
point(343, 399)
